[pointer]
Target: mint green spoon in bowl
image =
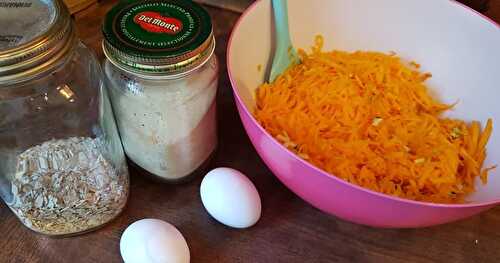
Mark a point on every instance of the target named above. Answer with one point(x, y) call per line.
point(284, 55)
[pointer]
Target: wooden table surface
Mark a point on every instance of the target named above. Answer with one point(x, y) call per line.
point(289, 231)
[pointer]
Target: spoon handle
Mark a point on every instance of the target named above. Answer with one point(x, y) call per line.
point(284, 53)
point(283, 40)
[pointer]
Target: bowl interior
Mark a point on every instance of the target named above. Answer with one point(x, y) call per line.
point(454, 43)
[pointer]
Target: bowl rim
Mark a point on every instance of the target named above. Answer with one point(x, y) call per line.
point(321, 171)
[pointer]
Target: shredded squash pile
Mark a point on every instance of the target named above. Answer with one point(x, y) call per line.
point(368, 118)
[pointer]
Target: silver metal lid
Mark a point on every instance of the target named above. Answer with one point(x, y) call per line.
point(39, 33)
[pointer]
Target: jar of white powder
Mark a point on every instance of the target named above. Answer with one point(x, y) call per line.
point(163, 75)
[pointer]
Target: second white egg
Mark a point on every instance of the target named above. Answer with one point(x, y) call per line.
point(231, 198)
point(153, 241)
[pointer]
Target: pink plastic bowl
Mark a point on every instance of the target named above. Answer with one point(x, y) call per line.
point(456, 44)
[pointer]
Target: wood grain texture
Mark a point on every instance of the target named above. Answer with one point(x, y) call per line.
point(289, 231)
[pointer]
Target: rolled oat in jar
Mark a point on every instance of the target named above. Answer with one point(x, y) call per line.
point(163, 75)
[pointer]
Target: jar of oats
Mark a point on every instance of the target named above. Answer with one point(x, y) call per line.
point(62, 166)
point(163, 75)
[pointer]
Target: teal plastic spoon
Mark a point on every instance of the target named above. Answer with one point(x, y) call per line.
point(284, 55)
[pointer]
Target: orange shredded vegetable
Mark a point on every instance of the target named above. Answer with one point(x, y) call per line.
point(368, 118)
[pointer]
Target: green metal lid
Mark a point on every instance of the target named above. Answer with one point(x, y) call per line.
point(157, 36)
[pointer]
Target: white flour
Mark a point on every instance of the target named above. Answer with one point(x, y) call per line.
point(168, 127)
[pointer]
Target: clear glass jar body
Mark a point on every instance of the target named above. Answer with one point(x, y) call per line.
point(167, 124)
point(62, 165)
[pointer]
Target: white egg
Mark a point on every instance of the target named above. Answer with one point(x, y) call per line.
point(231, 198)
point(153, 241)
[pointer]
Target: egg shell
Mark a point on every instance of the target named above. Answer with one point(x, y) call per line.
point(231, 198)
point(153, 241)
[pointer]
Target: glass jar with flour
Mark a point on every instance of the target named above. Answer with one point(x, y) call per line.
point(163, 76)
point(62, 165)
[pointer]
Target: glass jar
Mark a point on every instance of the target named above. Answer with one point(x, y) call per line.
point(62, 166)
point(163, 76)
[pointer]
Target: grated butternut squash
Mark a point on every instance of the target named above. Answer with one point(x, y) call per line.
point(368, 118)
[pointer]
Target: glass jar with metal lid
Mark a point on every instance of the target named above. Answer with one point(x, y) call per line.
point(163, 76)
point(62, 165)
